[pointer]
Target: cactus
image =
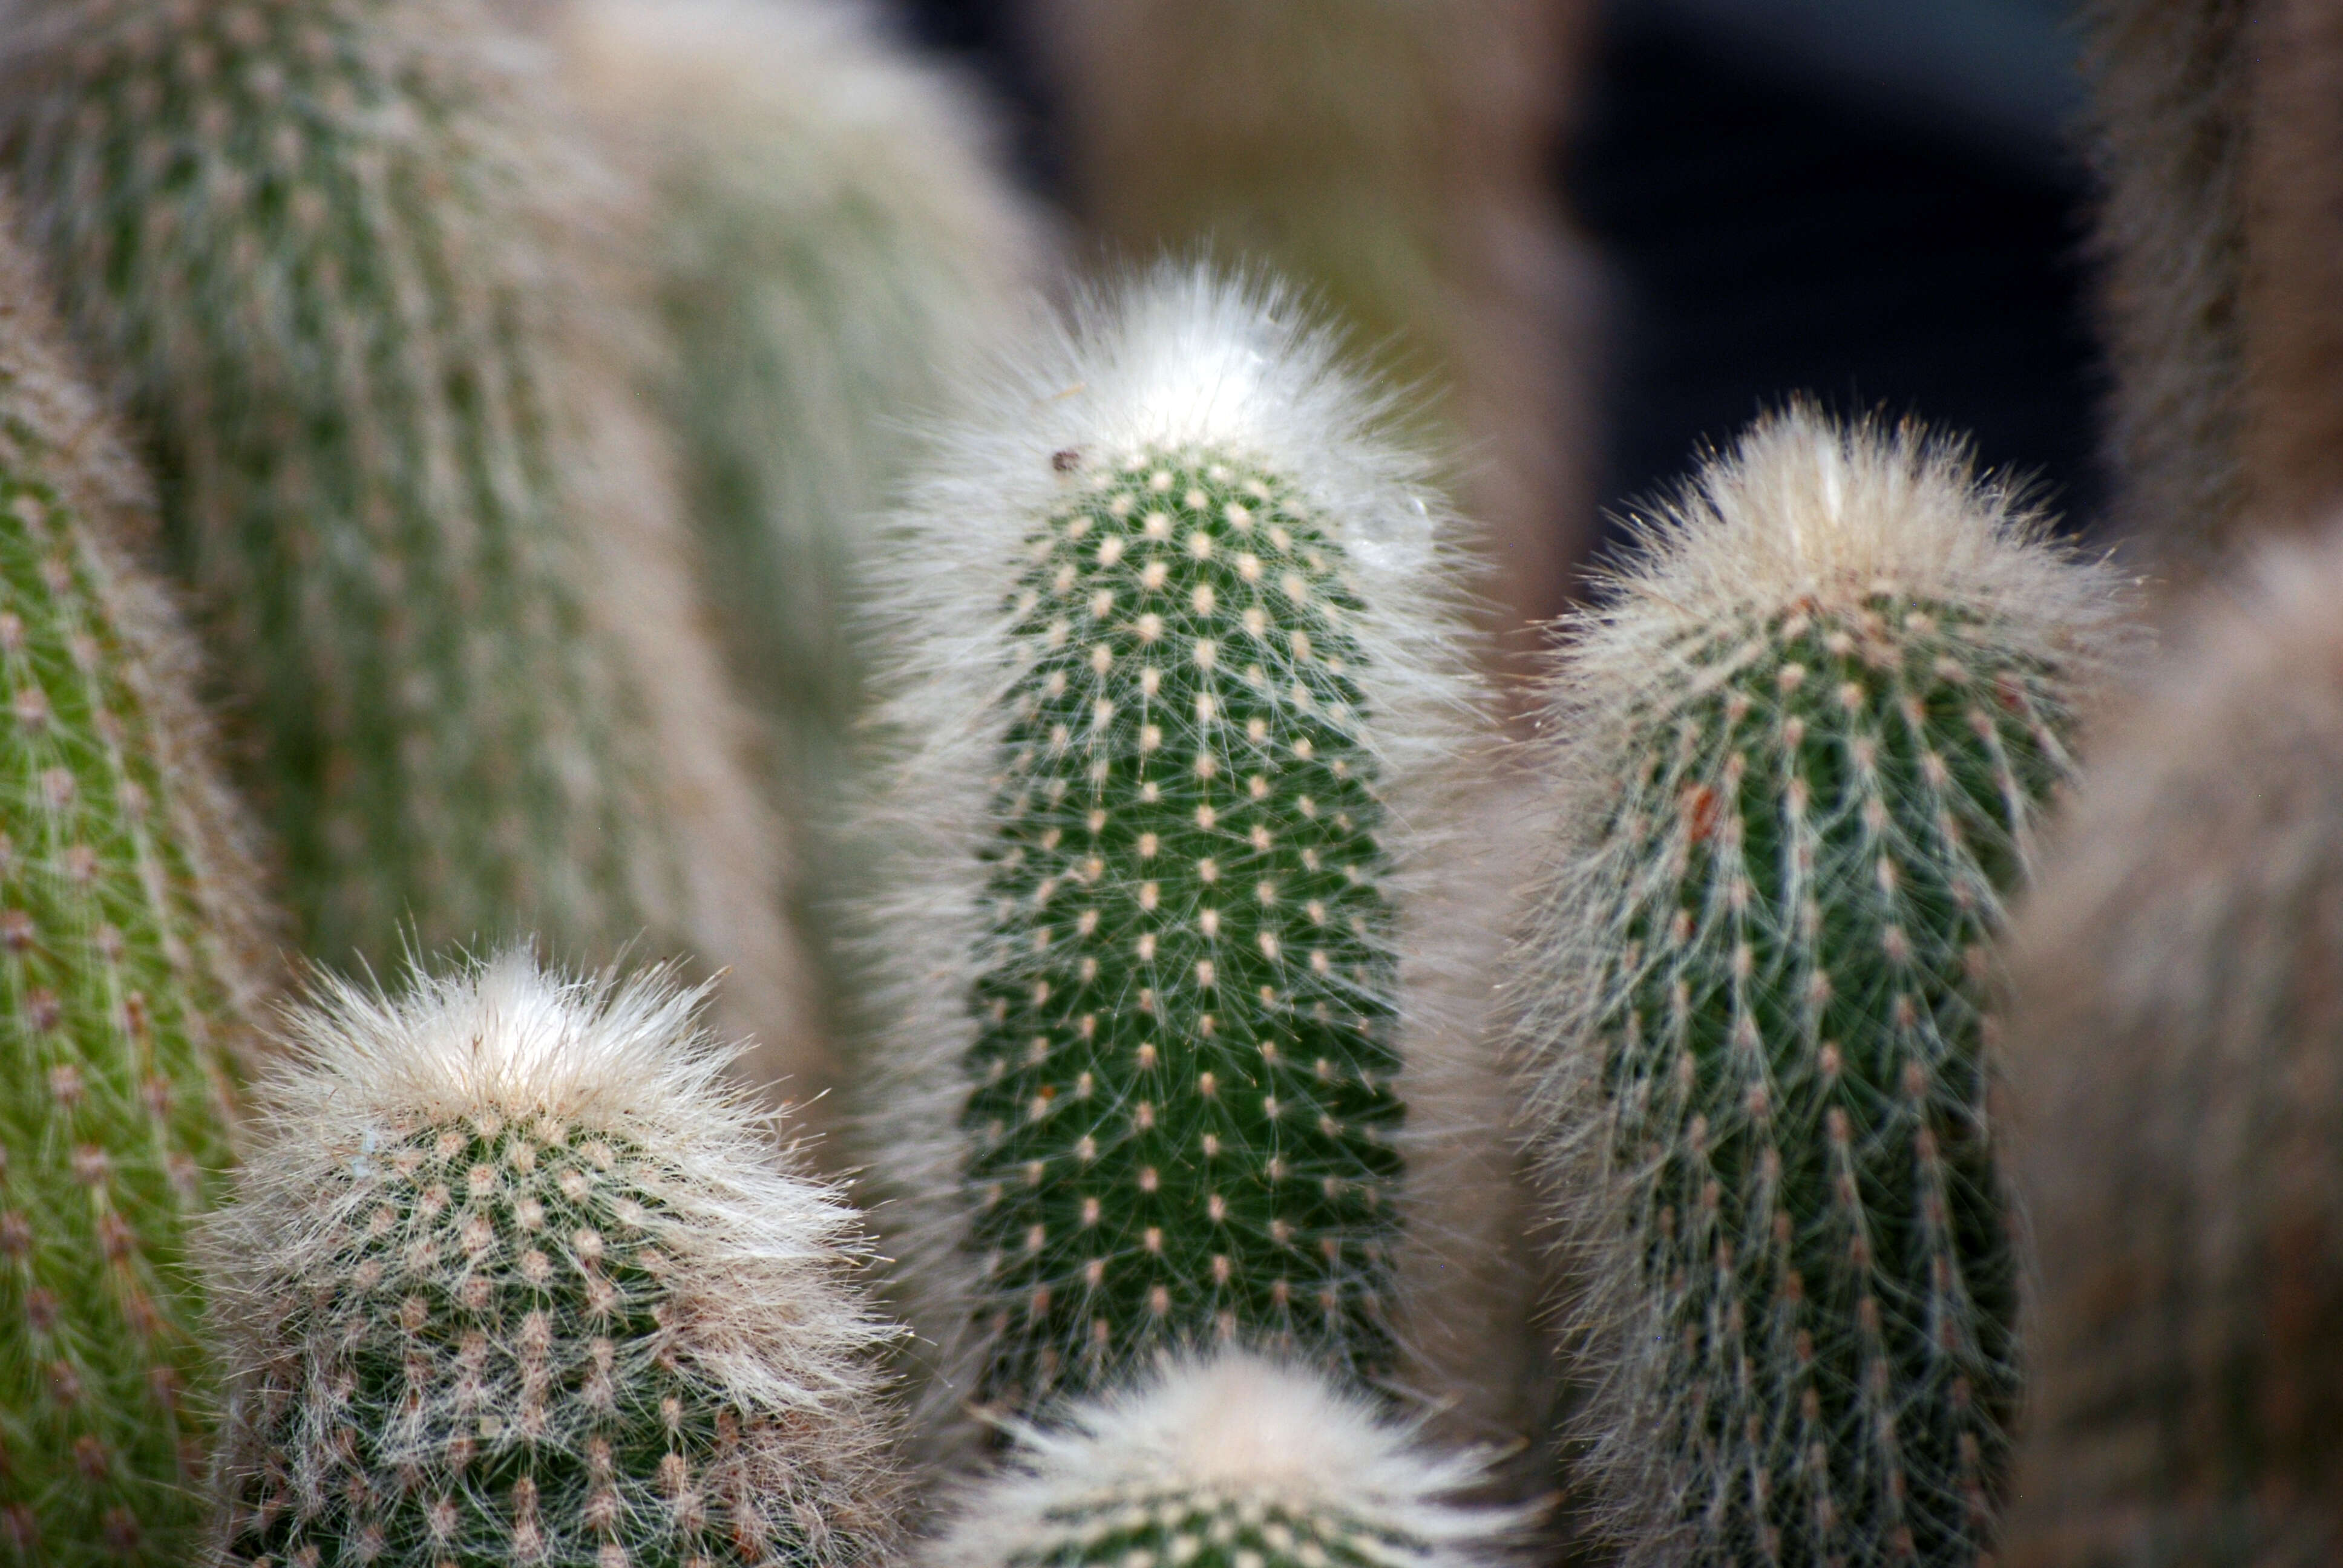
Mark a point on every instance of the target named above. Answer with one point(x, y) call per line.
point(334, 254)
point(1802, 753)
point(1178, 650)
point(2173, 1044)
point(128, 918)
point(512, 1277)
point(1395, 156)
point(1235, 1459)
point(831, 251)
point(2217, 146)
point(2169, 89)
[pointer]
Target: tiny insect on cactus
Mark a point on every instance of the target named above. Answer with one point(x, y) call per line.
point(343, 259)
point(1800, 756)
point(1181, 656)
point(2172, 1053)
point(129, 914)
point(512, 1276)
point(1232, 1462)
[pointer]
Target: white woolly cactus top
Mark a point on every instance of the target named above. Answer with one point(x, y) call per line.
point(514, 1271)
point(1236, 1459)
point(1804, 507)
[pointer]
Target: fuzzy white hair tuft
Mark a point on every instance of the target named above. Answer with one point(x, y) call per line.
point(763, 1252)
point(1180, 357)
point(1239, 1428)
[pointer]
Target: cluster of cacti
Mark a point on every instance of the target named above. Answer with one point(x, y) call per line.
point(513, 1277)
point(2175, 1052)
point(1799, 758)
point(339, 258)
point(128, 914)
point(1421, 209)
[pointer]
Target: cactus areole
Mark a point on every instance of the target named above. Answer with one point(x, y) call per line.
point(1182, 1114)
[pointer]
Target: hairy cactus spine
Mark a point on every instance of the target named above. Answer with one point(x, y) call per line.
point(2173, 1051)
point(334, 254)
point(1235, 1461)
point(1393, 156)
point(513, 1277)
point(1177, 633)
point(127, 916)
point(1801, 755)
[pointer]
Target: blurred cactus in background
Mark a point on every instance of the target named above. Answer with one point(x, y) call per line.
point(513, 1278)
point(340, 257)
point(1799, 757)
point(1177, 641)
point(2218, 131)
point(831, 245)
point(2176, 1054)
point(129, 920)
point(1395, 158)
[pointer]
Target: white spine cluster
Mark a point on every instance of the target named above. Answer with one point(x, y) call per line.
point(1232, 1460)
point(1181, 360)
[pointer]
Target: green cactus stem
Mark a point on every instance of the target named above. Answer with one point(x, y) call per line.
point(513, 1277)
point(128, 915)
point(1800, 756)
point(1171, 688)
point(336, 256)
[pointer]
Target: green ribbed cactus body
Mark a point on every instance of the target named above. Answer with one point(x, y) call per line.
point(1820, 832)
point(517, 1281)
point(317, 244)
point(1799, 760)
point(120, 999)
point(1183, 1113)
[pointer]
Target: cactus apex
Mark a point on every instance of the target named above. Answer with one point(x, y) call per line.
point(1230, 1458)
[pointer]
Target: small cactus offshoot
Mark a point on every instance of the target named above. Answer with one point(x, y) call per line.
point(1800, 756)
point(128, 915)
point(1183, 657)
point(513, 1277)
point(1232, 1462)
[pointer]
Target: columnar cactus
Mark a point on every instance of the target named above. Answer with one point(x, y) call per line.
point(2174, 1048)
point(2171, 88)
point(333, 254)
point(1230, 1461)
point(127, 918)
point(513, 1277)
point(1800, 757)
point(831, 249)
point(1395, 157)
point(1179, 650)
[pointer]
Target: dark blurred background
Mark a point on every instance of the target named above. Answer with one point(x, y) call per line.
point(1877, 201)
